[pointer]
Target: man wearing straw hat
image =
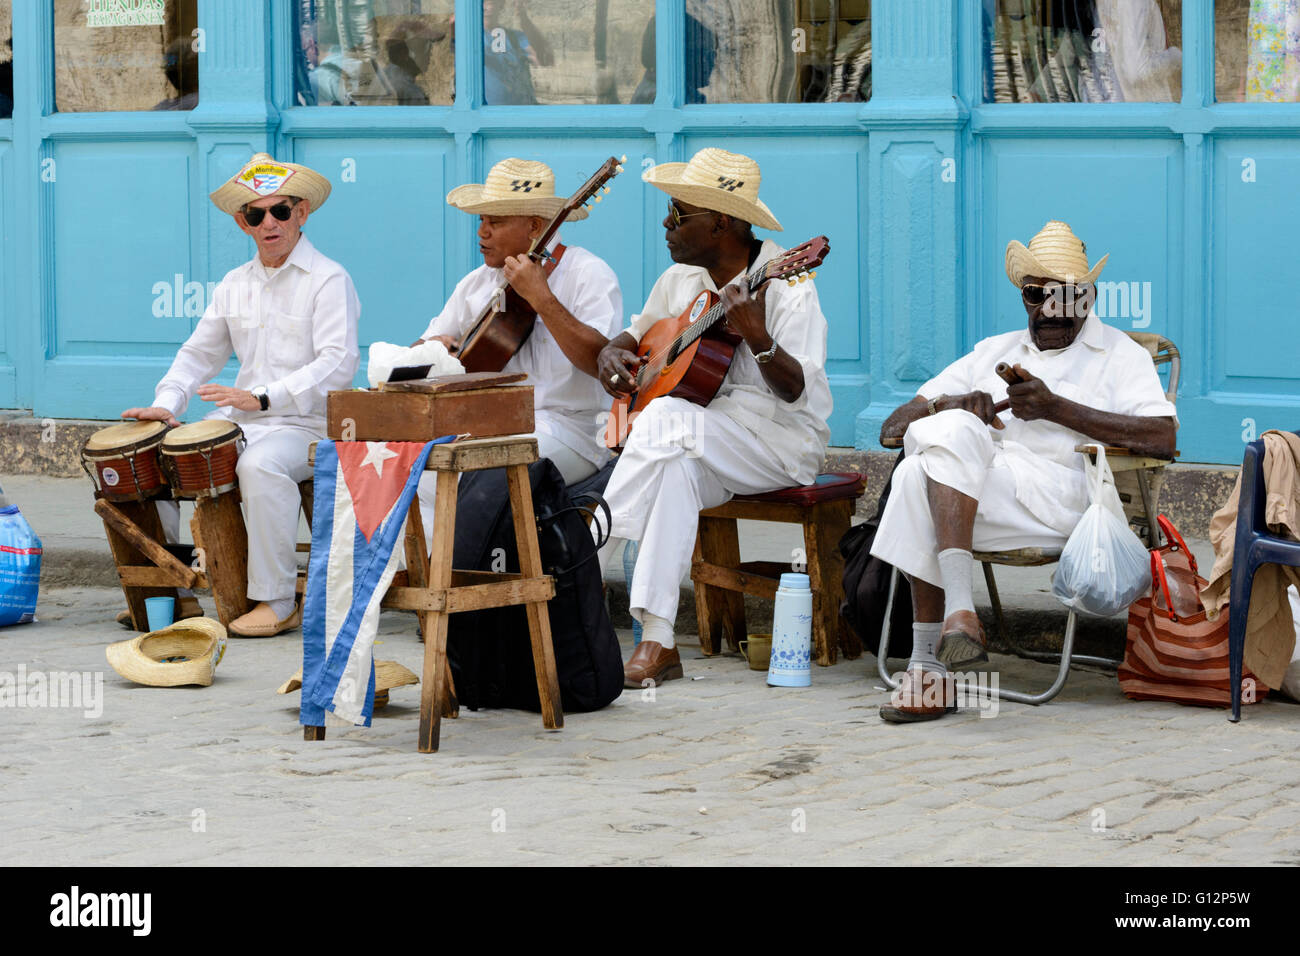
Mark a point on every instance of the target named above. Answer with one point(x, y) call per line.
point(579, 306)
point(290, 316)
point(766, 427)
point(974, 480)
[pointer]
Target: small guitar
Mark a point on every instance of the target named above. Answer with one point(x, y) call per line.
point(505, 323)
point(688, 355)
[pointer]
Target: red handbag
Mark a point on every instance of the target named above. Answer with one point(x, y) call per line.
point(1173, 652)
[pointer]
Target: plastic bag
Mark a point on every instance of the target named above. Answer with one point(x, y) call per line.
point(20, 568)
point(1104, 566)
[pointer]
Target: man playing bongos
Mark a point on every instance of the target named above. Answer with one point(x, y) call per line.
point(290, 317)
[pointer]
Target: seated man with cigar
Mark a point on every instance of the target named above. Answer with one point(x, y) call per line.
point(974, 480)
point(578, 302)
point(765, 428)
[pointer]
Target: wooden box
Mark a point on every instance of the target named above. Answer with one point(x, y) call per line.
point(424, 411)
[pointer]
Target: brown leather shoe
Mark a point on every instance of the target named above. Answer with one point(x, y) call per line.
point(124, 618)
point(921, 695)
point(651, 662)
point(261, 622)
point(962, 641)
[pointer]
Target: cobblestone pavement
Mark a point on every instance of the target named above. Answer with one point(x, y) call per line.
point(718, 768)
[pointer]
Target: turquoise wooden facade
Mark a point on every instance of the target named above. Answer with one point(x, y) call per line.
point(918, 189)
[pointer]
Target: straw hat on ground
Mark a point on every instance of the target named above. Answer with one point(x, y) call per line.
point(186, 652)
point(1055, 253)
point(514, 187)
point(262, 177)
point(718, 180)
point(388, 674)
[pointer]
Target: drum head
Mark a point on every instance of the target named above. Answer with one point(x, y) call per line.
point(125, 437)
point(200, 435)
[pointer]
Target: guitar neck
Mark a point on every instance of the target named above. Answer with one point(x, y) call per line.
point(714, 315)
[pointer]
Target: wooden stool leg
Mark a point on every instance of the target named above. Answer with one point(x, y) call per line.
point(417, 576)
point(434, 623)
point(127, 551)
point(539, 622)
point(219, 533)
point(313, 733)
point(823, 526)
point(719, 611)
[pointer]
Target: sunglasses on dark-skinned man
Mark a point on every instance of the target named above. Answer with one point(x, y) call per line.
point(675, 215)
point(1035, 294)
point(253, 215)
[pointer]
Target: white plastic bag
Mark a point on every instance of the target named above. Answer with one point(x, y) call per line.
point(1104, 566)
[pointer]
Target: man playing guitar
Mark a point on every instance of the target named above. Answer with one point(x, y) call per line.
point(765, 428)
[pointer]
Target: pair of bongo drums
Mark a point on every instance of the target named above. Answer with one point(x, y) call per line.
point(137, 461)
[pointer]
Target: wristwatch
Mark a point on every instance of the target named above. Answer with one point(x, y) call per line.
point(762, 358)
point(930, 405)
point(259, 393)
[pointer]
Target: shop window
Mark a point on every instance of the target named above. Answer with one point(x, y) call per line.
point(778, 51)
point(374, 52)
point(113, 56)
point(1081, 51)
point(568, 51)
point(1257, 51)
point(6, 60)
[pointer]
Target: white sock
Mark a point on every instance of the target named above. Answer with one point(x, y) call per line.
point(282, 607)
point(956, 566)
point(657, 629)
point(925, 640)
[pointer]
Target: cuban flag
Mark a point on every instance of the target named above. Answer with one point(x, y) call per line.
point(363, 493)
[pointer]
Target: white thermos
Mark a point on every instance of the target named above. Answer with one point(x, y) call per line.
point(791, 663)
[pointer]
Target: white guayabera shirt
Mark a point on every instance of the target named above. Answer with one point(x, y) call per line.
point(795, 432)
point(293, 329)
point(1102, 368)
point(569, 405)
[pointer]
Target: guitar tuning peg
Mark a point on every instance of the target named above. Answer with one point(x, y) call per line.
point(617, 170)
point(622, 159)
point(791, 282)
point(813, 274)
point(803, 277)
point(605, 190)
point(597, 198)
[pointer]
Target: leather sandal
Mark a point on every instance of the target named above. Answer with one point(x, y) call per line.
point(962, 642)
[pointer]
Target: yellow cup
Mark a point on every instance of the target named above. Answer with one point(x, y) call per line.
point(757, 650)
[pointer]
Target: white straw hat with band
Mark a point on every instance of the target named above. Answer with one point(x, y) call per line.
point(388, 674)
point(718, 180)
point(262, 177)
point(1055, 253)
point(186, 652)
point(514, 187)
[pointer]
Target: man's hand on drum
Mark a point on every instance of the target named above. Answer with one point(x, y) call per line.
point(224, 396)
point(152, 414)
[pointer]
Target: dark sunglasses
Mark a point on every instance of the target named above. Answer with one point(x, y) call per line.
point(1035, 294)
point(253, 215)
point(675, 215)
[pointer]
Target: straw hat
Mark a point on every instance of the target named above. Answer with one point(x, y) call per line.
point(186, 652)
point(388, 674)
point(514, 187)
point(1055, 253)
point(262, 177)
point(718, 180)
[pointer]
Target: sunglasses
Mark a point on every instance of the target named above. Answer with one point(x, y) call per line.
point(253, 215)
point(1035, 294)
point(675, 215)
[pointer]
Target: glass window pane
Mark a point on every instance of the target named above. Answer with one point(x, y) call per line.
point(6, 59)
point(1257, 51)
point(374, 53)
point(141, 58)
point(568, 51)
point(1080, 51)
point(778, 51)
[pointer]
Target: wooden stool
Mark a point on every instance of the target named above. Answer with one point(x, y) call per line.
point(825, 509)
point(432, 588)
point(147, 569)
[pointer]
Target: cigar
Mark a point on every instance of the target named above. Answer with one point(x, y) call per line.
point(1009, 375)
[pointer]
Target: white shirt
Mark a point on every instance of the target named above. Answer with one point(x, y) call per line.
point(568, 404)
point(796, 431)
point(1102, 368)
point(293, 329)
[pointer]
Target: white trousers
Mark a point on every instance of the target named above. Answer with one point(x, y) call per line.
point(269, 469)
point(680, 458)
point(953, 448)
point(573, 468)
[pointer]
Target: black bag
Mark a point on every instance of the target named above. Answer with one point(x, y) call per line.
point(866, 586)
point(490, 651)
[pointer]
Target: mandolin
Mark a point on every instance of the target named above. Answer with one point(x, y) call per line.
point(505, 323)
point(688, 355)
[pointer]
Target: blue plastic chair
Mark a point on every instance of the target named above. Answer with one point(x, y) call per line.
point(1254, 546)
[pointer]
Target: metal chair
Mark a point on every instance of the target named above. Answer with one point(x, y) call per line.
point(1137, 479)
point(1254, 546)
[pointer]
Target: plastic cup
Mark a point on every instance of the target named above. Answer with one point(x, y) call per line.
point(161, 611)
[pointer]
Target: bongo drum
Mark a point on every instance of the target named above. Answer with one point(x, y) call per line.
point(122, 460)
point(200, 458)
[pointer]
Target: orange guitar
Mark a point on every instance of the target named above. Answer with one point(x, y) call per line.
point(688, 355)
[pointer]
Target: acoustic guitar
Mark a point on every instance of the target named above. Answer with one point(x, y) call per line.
point(507, 320)
point(688, 355)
